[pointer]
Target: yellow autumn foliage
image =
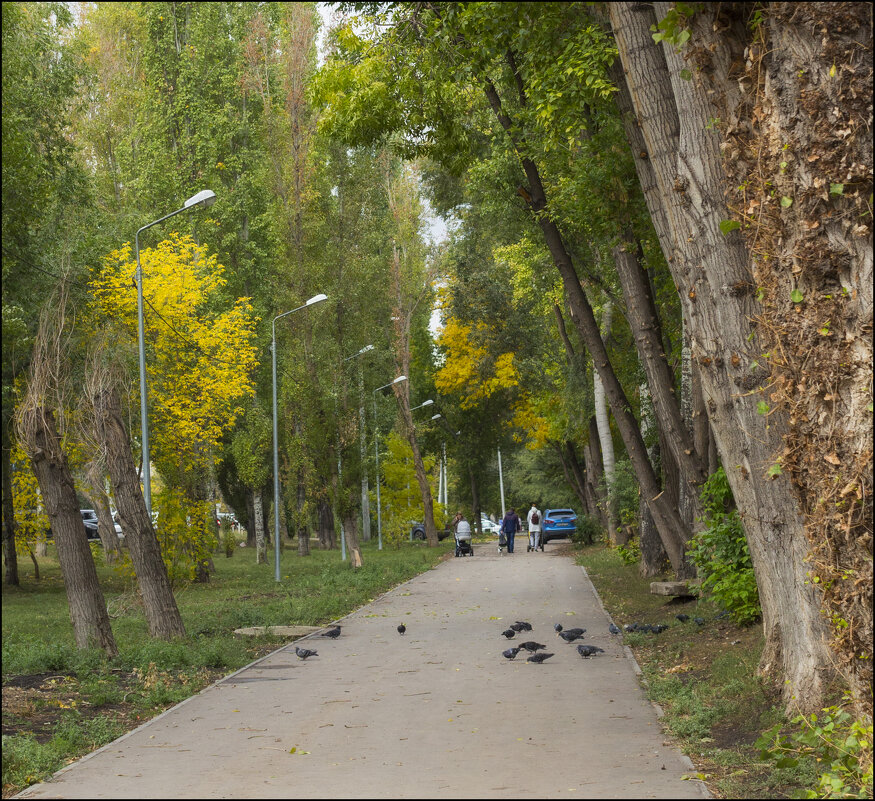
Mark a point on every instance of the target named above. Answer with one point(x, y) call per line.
point(468, 370)
point(200, 348)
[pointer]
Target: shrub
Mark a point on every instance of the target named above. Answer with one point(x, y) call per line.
point(833, 740)
point(722, 556)
point(588, 530)
point(630, 553)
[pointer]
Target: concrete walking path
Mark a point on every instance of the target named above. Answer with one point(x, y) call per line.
point(437, 712)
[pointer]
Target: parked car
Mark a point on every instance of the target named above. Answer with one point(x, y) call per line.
point(558, 524)
point(89, 520)
point(489, 527)
point(417, 532)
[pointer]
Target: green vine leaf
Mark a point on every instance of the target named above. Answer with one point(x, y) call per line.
point(796, 296)
point(729, 225)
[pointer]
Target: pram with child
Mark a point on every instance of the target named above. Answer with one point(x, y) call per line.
point(463, 538)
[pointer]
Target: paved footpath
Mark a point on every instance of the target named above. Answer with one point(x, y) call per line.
point(437, 712)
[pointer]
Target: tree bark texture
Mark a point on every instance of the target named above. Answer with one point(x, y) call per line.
point(606, 440)
point(714, 280)
point(799, 127)
point(325, 528)
point(88, 613)
point(159, 604)
point(10, 557)
point(653, 557)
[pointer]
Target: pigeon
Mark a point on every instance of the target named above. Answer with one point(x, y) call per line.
point(570, 636)
point(558, 627)
point(402, 628)
point(630, 627)
point(613, 629)
point(518, 627)
point(699, 621)
point(510, 653)
point(659, 628)
point(523, 626)
point(532, 646)
point(683, 618)
point(333, 632)
point(538, 658)
point(304, 653)
point(509, 633)
point(586, 651)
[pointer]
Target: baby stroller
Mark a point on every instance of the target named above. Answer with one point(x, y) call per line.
point(463, 539)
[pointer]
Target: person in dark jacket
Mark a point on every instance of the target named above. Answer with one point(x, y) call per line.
point(510, 525)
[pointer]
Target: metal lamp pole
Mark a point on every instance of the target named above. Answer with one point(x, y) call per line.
point(276, 464)
point(365, 510)
point(202, 199)
point(377, 458)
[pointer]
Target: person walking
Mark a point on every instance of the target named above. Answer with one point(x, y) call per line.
point(510, 525)
point(534, 520)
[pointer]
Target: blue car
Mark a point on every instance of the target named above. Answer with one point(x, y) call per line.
point(558, 524)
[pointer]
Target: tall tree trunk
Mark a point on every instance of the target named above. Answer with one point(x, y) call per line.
point(250, 518)
point(475, 494)
point(606, 441)
point(595, 472)
point(10, 557)
point(302, 526)
point(647, 330)
point(327, 539)
point(668, 521)
point(260, 547)
point(88, 613)
point(100, 501)
point(653, 557)
point(159, 605)
point(712, 273)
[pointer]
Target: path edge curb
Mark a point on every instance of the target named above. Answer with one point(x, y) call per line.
point(627, 652)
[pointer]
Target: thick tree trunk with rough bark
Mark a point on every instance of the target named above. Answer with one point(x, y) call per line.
point(716, 286)
point(88, 613)
point(159, 604)
point(325, 527)
point(10, 557)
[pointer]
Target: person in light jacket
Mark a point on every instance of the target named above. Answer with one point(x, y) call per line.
point(534, 520)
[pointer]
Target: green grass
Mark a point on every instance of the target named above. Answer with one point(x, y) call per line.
point(704, 678)
point(96, 699)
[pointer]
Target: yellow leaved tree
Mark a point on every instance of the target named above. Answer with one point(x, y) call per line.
point(200, 359)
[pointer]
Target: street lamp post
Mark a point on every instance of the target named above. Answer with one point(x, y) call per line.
point(377, 459)
point(276, 467)
point(365, 511)
point(202, 199)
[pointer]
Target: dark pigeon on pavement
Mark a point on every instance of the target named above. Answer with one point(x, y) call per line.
point(538, 658)
point(509, 633)
point(570, 636)
point(333, 632)
point(304, 653)
point(525, 626)
point(586, 651)
point(532, 646)
point(402, 628)
point(613, 629)
point(683, 618)
point(510, 653)
point(558, 627)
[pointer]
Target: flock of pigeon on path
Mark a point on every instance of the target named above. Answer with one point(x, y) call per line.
point(538, 655)
point(569, 635)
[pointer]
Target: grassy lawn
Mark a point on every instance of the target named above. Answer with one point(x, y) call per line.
point(60, 703)
point(704, 678)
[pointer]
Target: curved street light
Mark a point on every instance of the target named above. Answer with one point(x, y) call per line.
point(377, 457)
point(276, 469)
point(202, 199)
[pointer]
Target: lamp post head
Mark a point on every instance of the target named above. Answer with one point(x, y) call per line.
point(400, 379)
point(435, 416)
point(202, 199)
point(316, 299)
point(365, 349)
point(429, 402)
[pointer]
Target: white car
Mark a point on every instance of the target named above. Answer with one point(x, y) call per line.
point(488, 526)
